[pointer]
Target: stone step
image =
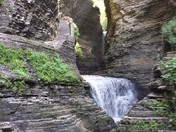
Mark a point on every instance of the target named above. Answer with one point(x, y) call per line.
point(48, 123)
point(155, 95)
point(142, 114)
point(171, 54)
point(161, 88)
point(138, 107)
point(166, 58)
point(133, 120)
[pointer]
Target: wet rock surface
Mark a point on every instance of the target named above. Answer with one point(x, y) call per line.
point(134, 40)
point(53, 109)
point(44, 107)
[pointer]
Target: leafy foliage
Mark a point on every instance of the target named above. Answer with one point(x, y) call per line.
point(51, 69)
point(79, 51)
point(169, 74)
point(165, 108)
point(76, 32)
point(15, 60)
point(169, 31)
point(169, 70)
point(17, 87)
point(151, 126)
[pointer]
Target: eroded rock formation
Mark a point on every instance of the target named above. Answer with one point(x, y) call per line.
point(32, 19)
point(134, 37)
point(86, 18)
point(36, 25)
point(154, 107)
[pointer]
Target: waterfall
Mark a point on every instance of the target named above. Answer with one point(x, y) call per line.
point(115, 96)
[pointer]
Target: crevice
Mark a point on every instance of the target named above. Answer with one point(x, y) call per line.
point(87, 18)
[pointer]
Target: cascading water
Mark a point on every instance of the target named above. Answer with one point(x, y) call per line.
point(115, 96)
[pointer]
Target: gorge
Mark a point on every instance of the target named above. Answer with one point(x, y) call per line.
point(41, 87)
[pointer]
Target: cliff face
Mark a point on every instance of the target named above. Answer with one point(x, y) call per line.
point(27, 103)
point(32, 19)
point(86, 18)
point(134, 41)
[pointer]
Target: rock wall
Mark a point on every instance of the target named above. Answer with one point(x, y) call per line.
point(86, 18)
point(134, 39)
point(43, 107)
point(151, 111)
point(53, 108)
point(34, 19)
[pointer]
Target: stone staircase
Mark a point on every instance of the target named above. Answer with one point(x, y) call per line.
point(143, 116)
point(142, 119)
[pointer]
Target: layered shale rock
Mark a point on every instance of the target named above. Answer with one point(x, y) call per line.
point(53, 108)
point(134, 40)
point(42, 107)
point(155, 112)
point(30, 18)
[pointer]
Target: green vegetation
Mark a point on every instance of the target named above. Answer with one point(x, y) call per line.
point(169, 31)
point(78, 48)
point(76, 32)
point(169, 70)
point(79, 51)
point(103, 18)
point(165, 108)
point(151, 126)
point(1, 2)
point(17, 87)
point(169, 74)
point(15, 60)
point(51, 69)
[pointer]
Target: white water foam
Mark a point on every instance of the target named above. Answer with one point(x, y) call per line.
point(115, 96)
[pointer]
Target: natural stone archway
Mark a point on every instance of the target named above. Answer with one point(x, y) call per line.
point(86, 18)
point(134, 39)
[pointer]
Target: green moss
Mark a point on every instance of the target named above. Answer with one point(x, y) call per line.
point(51, 69)
point(15, 60)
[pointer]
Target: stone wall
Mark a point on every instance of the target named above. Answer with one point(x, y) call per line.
point(134, 39)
